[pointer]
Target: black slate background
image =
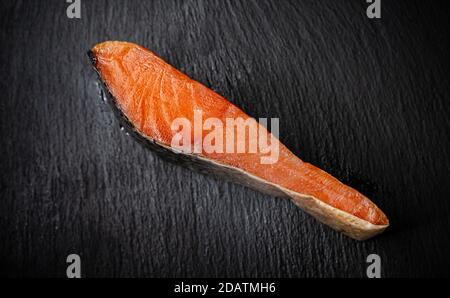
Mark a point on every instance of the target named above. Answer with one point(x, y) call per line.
point(366, 100)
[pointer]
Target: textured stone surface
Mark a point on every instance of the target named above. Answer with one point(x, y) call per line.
point(366, 100)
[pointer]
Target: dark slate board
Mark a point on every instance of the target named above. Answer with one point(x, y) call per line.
point(366, 100)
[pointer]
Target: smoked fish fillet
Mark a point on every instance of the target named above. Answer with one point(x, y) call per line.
point(149, 94)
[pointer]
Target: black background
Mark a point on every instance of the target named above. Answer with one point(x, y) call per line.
point(366, 100)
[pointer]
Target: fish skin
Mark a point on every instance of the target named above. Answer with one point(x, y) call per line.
point(148, 94)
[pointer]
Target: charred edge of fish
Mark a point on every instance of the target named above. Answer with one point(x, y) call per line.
point(92, 58)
